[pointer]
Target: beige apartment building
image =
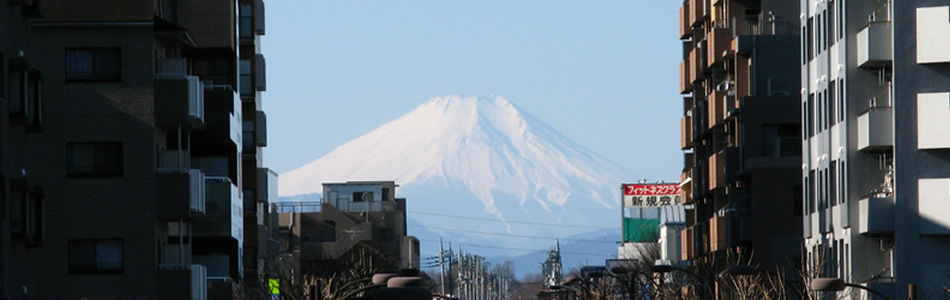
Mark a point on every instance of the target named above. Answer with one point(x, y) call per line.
point(130, 150)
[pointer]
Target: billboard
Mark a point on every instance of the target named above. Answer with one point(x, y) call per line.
point(646, 195)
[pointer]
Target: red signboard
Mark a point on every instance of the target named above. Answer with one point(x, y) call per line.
point(651, 195)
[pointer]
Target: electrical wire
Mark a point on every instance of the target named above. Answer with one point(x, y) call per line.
point(512, 222)
point(520, 235)
point(521, 249)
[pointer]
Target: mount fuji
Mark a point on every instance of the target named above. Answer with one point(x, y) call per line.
point(481, 173)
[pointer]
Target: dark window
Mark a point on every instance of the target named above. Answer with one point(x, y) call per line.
point(247, 78)
point(249, 200)
point(96, 256)
point(841, 100)
point(362, 196)
point(26, 206)
point(93, 64)
point(248, 135)
point(782, 140)
point(833, 106)
point(833, 183)
point(797, 209)
point(246, 22)
point(19, 87)
point(3, 80)
point(220, 71)
point(810, 31)
point(94, 159)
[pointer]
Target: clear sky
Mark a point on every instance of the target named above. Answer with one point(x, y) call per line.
point(604, 73)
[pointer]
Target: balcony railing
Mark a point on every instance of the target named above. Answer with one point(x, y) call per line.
point(876, 216)
point(179, 100)
point(183, 193)
point(183, 281)
point(874, 45)
point(225, 210)
point(686, 132)
point(875, 129)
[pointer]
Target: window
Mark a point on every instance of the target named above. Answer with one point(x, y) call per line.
point(781, 140)
point(26, 212)
point(797, 209)
point(220, 71)
point(246, 21)
point(250, 204)
point(96, 256)
point(248, 136)
point(93, 64)
point(362, 196)
point(94, 159)
point(247, 78)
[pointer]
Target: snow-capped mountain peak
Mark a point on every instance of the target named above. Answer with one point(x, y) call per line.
point(486, 146)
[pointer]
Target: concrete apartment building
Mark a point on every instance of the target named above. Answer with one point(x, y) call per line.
point(353, 215)
point(131, 135)
point(739, 133)
point(876, 165)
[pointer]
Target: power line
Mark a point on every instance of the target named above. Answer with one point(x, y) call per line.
point(521, 235)
point(521, 249)
point(512, 222)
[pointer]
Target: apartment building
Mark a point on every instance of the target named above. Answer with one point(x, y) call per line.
point(327, 237)
point(131, 150)
point(738, 80)
point(876, 170)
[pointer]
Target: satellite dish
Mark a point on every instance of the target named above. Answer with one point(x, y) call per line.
point(368, 196)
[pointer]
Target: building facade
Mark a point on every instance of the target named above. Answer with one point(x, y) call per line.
point(126, 170)
point(739, 133)
point(876, 170)
point(357, 227)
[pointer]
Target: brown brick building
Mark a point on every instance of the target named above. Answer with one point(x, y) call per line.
point(740, 131)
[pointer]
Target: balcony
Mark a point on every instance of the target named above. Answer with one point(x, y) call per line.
point(224, 210)
point(719, 41)
point(697, 64)
point(179, 98)
point(686, 29)
point(223, 116)
point(875, 129)
point(724, 167)
point(266, 185)
point(686, 184)
point(183, 282)
point(697, 12)
point(686, 240)
point(876, 216)
point(686, 132)
point(874, 45)
point(717, 178)
point(719, 238)
point(212, 22)
point(183, 194)
point(686, 80)
point(716, 104)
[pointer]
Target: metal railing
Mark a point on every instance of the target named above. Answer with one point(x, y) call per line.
point(298, 207)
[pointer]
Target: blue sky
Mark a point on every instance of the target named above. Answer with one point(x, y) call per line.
point(604, 73)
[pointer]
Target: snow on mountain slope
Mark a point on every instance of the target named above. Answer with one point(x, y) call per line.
point(480, 157)
point(488, 144)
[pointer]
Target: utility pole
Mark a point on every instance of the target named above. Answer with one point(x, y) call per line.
point(441, 267)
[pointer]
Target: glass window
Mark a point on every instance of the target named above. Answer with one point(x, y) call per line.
point(93, 64)
point(94, 159)
point(96, 256)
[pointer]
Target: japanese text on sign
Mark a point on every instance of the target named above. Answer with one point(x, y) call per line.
point(651, 195)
